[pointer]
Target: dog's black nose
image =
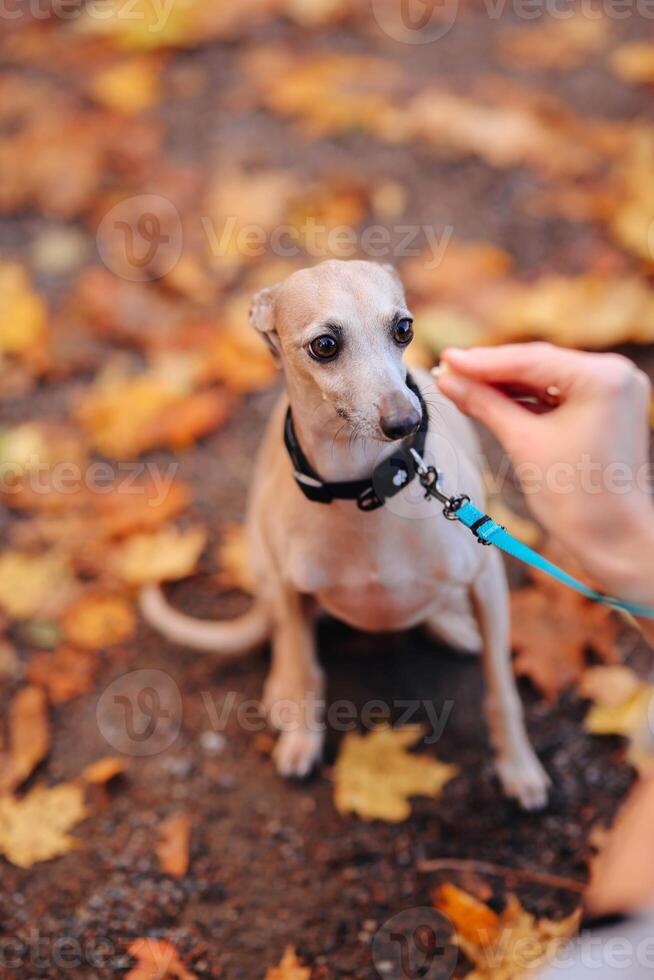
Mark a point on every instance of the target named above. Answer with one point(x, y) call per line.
point(399, 426)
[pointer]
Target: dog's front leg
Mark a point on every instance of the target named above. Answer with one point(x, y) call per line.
point(294, 691)
point(518, 768)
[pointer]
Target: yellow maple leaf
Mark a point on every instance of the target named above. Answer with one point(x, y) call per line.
point(511, 946)
point(166, 554)
point(24, 315)
point(628, 716)
point(35, 585)
point(130, 86)
point(289, 968)
point(35, 827)
point(375, 775)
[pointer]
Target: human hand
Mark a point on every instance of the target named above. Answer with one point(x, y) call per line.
point(584, 465)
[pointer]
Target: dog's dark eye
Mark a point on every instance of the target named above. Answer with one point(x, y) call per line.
point(403, 331)
point(324, 348)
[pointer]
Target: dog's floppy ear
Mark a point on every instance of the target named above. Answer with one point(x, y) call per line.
point(262, 318)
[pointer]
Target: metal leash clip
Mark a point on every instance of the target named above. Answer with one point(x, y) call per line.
point(430, 480)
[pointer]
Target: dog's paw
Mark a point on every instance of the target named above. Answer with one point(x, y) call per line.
point(298, 752)
point(524, 779)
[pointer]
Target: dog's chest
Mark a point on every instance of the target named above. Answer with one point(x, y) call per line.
point(376, 572)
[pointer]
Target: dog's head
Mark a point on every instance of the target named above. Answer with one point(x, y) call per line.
point(340, 330)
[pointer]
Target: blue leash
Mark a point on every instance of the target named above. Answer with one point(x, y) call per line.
point(487, 531)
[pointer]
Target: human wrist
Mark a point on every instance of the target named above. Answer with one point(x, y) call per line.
point(621, 558)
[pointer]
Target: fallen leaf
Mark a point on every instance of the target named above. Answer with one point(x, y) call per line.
point(141, 507)
point(233, 557)
point(35, 585)
point(173, 847)
point(552, 630)
point(375, 775)
point(289, 968)
point(130, 86)
point(162, 412)
point(438, 327)
point(589, 311)
point(630, 716)
point(473, 919)
point(157, 960)
point(510, 946)
point(29, 737)
point(634, 62)
point(35, 827)
point(104, 770)
point(166, 554)
point(23, 324)
point(97, 621)
point(556, 44)
point(64, 674)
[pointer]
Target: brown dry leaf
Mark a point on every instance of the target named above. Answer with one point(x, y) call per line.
point(634, 62)
point(39, 446)
point(23, 325)
point(64, 674)
point(234, 560)
point(511, 946)
point(97, 621)
point(166, 554)
point(375, 775)
point(329, 93)
point(552, 629)
point(556, 44)
point(35, 585)
point(579, 311)
point(29, 737)
point(35, 827)
point(460, 264)
point(631, 218)
point(185, 23)
point(130, 86)
point(142, 507)
point(104, 770)
point(628, 717)
point(162, 412)
point(240, 208)
point(157, 959)
point(173, 847)
point(501, 133)
point(289, 968)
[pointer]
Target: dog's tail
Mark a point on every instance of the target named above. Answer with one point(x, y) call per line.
point(230, 638)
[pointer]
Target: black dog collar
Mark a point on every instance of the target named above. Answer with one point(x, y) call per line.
point(388, 478)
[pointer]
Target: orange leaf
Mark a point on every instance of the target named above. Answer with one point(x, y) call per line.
point(104, 770)
point(471, 918)
point(173, 847)
point(157, 960)
point(289, 968)
point(97, 621)
point(64, 674)
point(29, 737)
